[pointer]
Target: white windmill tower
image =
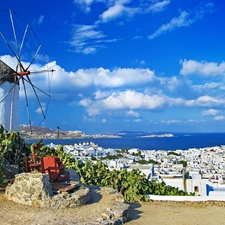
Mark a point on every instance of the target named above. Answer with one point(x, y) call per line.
point(15, 72)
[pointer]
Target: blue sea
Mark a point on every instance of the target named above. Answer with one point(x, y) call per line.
point(182, 141)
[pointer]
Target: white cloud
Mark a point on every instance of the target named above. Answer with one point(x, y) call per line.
point(40, 20)
point(185, 19)
point(38, 110)
point(132, 90)
point(193, 121)
point(219, 118)
point(142, 62)
point(170, 121)
point(208, 86)
point(209, 112)
point(190, 67)
point(116, 78)
point(42, 109)
point(88, 39)
point(123, 100)
point(112, 12)
point(86, 4)
point(85, 102)
point(132, 113)
point(104, 120)
point(205, 101)
point(116, 11)
point(182, 21)
point(100, 94)
point(159, 6)
point(181, 121)
point(40, 80)
point(133, 100)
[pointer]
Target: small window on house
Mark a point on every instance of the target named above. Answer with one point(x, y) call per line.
point(196, 189)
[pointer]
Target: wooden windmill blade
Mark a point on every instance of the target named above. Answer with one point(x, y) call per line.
point(18, 74)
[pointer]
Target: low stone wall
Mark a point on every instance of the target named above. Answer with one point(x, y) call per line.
point(35, 189)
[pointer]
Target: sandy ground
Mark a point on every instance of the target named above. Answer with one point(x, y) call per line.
point(157, 213)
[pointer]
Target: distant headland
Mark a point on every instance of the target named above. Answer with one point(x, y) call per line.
point(33, 132)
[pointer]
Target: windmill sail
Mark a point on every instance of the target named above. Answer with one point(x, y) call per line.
point(9, 98)
point(23, 44)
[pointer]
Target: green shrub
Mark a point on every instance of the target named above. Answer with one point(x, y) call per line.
point(132, 184)
point(13, 149)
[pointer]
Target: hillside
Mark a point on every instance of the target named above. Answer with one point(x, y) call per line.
point(42, 132)
point(33, 132)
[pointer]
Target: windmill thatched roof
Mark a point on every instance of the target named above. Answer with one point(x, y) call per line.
point(6, 73)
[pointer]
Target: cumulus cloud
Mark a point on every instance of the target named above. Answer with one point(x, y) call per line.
point(208, 86)
point(219, 118)
point(42, 109)
point(132, 113)
point(104, 120)
point(205, 101)
point(116, 11)
point(209, 112)
point(116, 78)
point(128, 99)
point(100, 94)
point(133, 100)
point(193, 67)
point(127, 90)
point(39, 79)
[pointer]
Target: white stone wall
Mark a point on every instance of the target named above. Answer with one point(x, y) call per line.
point(192, 185)
point(10, 107)
point(186, 198)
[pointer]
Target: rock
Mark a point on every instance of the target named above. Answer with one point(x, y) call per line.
point(119, 197)
point(120, 210)
point(106, 216)
point(35, 189)
point(110, 190)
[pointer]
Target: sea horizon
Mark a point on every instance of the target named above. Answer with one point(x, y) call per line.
point(179, 141)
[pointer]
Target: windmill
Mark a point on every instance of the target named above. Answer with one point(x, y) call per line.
point(18, 71)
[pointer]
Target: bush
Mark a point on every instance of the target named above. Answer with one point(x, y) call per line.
point(13, 149)
point(132, 184)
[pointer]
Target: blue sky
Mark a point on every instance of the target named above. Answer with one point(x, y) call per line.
point(148, 65)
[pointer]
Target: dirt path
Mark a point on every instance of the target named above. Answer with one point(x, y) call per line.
point(12, 213)
point(172, 213)
point(157, 213)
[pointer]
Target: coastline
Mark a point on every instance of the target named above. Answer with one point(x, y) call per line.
point(177, 142)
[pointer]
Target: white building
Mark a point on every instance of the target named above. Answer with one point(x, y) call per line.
point(9, 97)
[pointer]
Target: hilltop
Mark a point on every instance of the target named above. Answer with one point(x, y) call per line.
point(42, 132)
point(153, 212)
